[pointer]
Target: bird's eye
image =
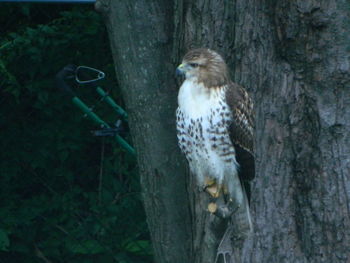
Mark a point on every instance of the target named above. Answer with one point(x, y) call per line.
point(194, 65)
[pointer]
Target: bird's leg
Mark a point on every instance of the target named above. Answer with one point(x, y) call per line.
point(238, 229)
point(209, 181)
point(225, 248)
point(211, 187)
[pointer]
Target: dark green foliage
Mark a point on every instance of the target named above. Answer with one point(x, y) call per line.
point(66, 196)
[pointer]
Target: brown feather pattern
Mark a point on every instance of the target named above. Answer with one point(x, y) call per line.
point(242, 127)
point(211, 71)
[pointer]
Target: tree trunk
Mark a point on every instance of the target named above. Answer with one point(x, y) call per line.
point(297, 62)
point(140, 35)
point(293, 56)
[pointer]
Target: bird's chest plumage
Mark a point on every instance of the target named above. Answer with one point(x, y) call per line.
point(203, 118)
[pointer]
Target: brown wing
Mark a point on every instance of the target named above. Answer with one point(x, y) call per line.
point(242, 128)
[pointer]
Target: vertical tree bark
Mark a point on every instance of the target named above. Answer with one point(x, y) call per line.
point(141, 40)
point(293, 56)
point(296, 59)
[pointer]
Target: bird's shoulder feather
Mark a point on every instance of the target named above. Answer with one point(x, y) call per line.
point(241, 128)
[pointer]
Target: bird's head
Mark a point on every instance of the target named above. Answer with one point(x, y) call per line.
point(204, 66)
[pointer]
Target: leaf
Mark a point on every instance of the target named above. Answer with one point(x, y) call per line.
point(139, 247)
point(4, 241)
point(85, 247)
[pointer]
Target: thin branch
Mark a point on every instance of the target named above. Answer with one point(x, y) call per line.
point(39, 253)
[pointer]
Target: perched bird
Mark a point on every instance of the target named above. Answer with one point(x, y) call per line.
point(215, 126)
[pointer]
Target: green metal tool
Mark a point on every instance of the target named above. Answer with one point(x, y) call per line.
point(60, 80)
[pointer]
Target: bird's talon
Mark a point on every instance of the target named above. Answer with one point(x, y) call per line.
point(213, 190)
point(209, 181)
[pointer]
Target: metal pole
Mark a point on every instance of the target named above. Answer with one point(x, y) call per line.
point(119, 110)
point(93, 116)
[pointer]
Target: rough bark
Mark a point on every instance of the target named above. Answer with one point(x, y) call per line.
point(293, 56)
point(140, 36)
point(297, 60)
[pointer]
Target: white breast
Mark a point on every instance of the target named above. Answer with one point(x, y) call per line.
point(202, 120)
point(195, 100)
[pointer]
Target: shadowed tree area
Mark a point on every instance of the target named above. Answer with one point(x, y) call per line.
point(66, 196)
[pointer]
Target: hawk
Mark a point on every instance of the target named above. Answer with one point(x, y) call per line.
point(215, 125)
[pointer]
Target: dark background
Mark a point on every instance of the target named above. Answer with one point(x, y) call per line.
point(66, 196)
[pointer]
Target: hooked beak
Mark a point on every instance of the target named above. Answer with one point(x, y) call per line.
point(180, 70)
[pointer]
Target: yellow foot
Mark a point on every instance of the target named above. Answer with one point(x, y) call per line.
point(209, 182)
point(212, 207)
point(213, 190)
point(211, 187)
